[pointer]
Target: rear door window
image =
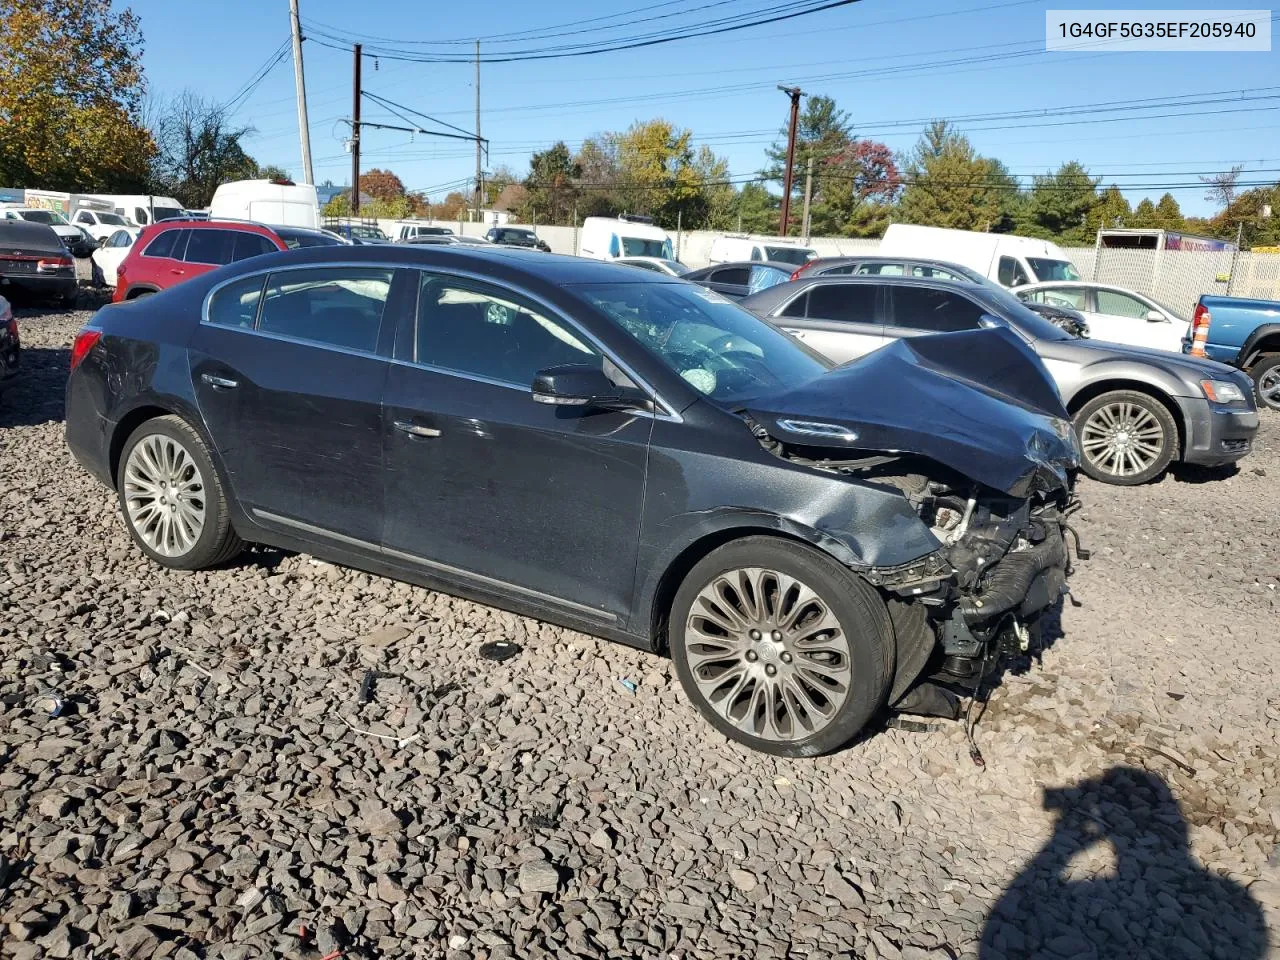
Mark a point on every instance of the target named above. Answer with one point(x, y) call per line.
point(1120, 305)
point(796, 308)
point(209, 246)
point(168, 244)
point(236, 304)
point(936, 311)
point(844, 302)
point(738, 275)
point(251, 245)
point(335, 306)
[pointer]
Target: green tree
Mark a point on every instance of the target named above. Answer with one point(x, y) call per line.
point(719, 196)
point(273, 172)
point(1144, 214)
point(822, 131)
point(597, 161)
point(657, 174)
point(1011, 199)
point(1247, 216)
point(1169, 214)
point(757, 209)
point(71, 95)
point(854, 191)
point(551, 185)
point(1111, 210)
point(948, 184)
point(1061, 203)
point(496, 182)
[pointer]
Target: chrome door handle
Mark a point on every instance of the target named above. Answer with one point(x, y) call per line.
point(219, 383)
point(416, 430)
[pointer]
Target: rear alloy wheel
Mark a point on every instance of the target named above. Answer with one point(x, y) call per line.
point(780, 647)
point(1266, 380)
point(1127, 437)
point(172, 499)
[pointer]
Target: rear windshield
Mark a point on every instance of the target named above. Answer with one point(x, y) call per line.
point(1023, 317)
point(167, 213)
point(796, 255)
point(293, 239)
point(640, 247)
point(16, 234)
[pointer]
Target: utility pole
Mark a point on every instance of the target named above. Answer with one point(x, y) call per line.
point(304, 128)
point(355, 135)
point(795, 93)
point(479, 170)
point(808, 190)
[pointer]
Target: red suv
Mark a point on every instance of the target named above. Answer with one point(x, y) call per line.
point(168, 252)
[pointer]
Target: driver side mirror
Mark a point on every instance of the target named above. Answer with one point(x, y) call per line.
point(1155, 316)
point(584, 385)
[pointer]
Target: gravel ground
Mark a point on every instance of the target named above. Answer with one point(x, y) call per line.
point(212, 787)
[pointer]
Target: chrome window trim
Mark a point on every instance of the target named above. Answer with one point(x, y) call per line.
point(664, 410)
point(776, 314)
point(466, 575)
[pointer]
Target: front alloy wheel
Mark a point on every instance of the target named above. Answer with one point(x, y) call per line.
point(1126, 437)
point(788, 654)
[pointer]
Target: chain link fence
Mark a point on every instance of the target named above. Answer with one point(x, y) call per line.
point(1177, 278)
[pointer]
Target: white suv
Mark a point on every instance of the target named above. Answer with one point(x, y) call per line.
point(100, 224)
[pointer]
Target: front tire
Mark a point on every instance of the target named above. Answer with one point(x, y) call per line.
point(1266, 380)
point(1127, 438)
point(780, 647)
point(172, 499)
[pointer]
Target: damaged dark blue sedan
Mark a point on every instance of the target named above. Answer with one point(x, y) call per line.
point(615, 451)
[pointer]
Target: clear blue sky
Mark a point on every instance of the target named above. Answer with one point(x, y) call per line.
point(530, 105)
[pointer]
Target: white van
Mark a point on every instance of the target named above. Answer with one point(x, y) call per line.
point(281, 203)
point(733, 248)
point(1010, 261)
point(607, 238)
point(142, 209)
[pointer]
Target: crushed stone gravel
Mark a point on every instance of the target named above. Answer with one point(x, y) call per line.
point(212, 788)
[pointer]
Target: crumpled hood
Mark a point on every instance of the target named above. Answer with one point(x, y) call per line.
point(979, 402)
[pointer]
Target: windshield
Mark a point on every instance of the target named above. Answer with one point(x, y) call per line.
point(368, 233)
point(525, 236)
point(114, 219)
point(44, 216)
point(797, 255)
point(1026, 320)
point(167, 213)
point(1053, 269)
point(293, 239)
point(721, 350)
point(641, 247)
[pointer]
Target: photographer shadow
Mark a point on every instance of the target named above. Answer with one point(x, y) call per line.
point(1158, 903)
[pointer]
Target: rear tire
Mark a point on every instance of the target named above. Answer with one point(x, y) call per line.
point(172, 499)
point(1266, 380)
point(780, 647)
point(1127, 438)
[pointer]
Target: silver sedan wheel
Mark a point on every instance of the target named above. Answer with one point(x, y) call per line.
point(1269, 387)
point(164, 495)
point(1122, 439)
point(767, 654)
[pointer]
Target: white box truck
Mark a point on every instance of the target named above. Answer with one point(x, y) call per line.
point(607, 238)
point(281, 203)
point(732, 248)
point(142, 209)
point(1010, 261)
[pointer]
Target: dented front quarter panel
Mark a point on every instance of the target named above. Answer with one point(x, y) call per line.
point(709, 480)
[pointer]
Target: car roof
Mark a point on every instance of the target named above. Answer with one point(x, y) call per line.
point(531, 268)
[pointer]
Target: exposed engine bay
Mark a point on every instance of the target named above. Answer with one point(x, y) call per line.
point(1002, 562)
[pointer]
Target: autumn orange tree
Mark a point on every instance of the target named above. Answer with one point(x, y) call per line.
point(71, 89)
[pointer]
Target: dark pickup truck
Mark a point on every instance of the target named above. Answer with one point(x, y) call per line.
point(1243, 333)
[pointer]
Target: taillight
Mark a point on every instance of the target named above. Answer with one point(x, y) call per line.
point(85, 341)
point(801, 269)
point(13, 329)
point(1200, 330)
point(54, 263)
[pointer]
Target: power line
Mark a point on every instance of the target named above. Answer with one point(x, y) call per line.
point(790, 12)
point(247, 88)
